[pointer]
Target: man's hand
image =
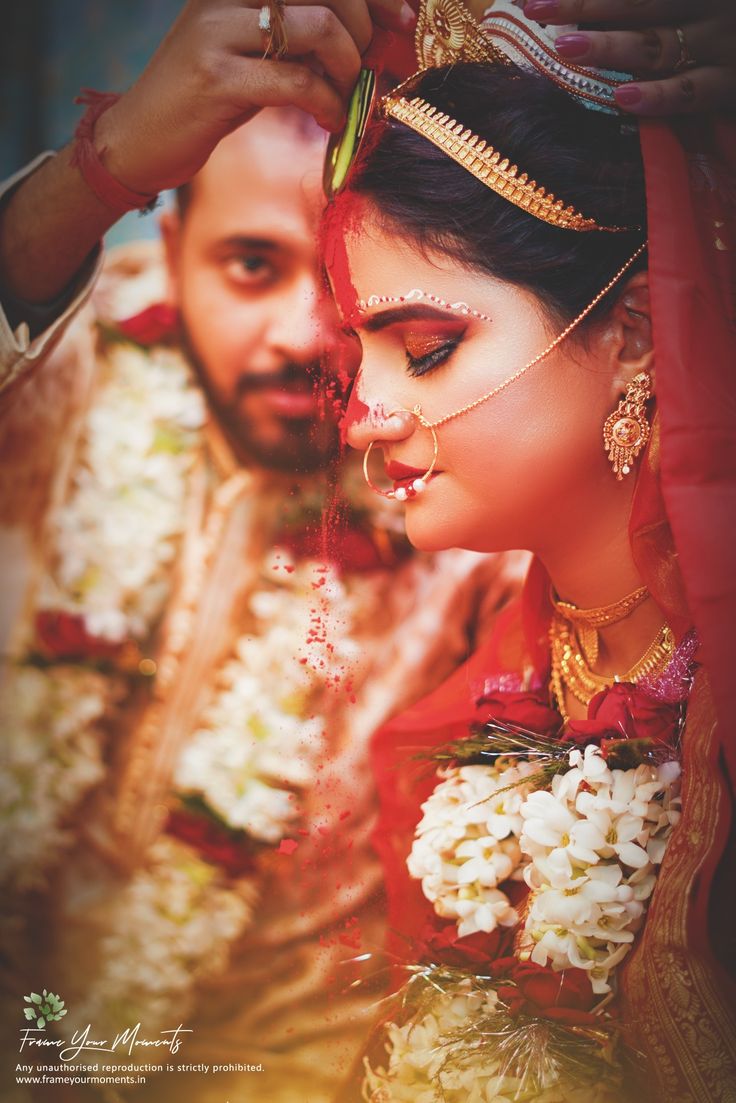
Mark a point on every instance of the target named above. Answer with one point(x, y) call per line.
point(682, 51)
point(210, 75)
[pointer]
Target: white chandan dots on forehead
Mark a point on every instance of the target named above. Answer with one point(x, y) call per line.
point(417, 295)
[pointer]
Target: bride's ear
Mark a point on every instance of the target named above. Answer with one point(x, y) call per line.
point(631, 347)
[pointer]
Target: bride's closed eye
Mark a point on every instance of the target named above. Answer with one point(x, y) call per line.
point(424, 352)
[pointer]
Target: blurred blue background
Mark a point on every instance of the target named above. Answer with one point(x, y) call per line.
point(49, 49)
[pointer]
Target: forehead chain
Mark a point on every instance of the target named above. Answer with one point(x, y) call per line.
point(462, 308)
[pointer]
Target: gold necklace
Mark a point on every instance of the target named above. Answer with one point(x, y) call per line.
point(589, 621)
point(604, 614)
point(571, 672)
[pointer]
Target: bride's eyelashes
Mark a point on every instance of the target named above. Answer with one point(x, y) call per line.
point(424, 353)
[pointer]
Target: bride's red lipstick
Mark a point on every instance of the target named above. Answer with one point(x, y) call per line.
point(396, 470)
point(408, 481)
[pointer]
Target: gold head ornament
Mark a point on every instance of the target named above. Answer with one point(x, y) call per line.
point(447, 33)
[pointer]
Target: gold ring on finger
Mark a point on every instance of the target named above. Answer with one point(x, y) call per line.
point(685, 60)
point(272, 26)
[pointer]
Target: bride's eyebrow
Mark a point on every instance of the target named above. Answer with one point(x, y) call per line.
point(409, 312)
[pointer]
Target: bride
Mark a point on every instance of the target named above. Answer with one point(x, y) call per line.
point(554, 880)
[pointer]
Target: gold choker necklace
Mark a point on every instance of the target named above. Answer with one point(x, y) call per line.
point(605, 614)
point(571, 671)
point(588, 621)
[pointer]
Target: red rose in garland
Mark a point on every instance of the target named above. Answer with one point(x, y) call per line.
point(350, 548)
point(215, 844)
point(440, 944)
point(153, 326)
point(63, 637)
point(530, 712)
point(624, 711)
point(531, 989)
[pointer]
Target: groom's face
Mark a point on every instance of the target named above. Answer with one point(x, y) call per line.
point(242, 255)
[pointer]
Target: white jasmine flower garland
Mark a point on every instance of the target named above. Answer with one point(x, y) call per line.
point(595, 841)
point(52, 755)
point(460, 1047)
point(261, 738)
point(167, 928)
point(115, 539)
point(116, 535)
point(588, 847)
point(415, 1069)
point(467, 844)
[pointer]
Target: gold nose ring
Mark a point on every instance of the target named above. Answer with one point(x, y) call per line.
point(419, 485)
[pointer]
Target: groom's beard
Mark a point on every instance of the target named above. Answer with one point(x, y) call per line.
point(284, 420)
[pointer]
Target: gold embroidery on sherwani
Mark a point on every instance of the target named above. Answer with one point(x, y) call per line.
point(672, 1000)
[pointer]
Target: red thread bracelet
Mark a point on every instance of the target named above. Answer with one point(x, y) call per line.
point(110, 192)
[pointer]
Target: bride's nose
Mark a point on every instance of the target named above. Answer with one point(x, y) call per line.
point(363, 423)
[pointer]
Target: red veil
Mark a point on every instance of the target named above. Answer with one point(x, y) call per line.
point(678, 987)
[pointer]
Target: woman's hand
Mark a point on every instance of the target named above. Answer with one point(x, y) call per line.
point(682, 51)
point(209, 75)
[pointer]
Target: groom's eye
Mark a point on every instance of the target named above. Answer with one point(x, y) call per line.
point(249, 269)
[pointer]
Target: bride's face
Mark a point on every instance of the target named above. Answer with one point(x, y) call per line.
point(518, 469)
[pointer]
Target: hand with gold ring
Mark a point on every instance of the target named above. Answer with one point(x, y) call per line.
point(681, 52)
point(222, 61)
point(272, 23)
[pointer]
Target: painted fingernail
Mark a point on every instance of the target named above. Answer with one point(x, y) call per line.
point(628, 96)
point(407, 16)
point(572, 45)
point(542, 9)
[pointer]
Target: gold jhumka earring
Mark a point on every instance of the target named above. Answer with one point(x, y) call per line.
point(627, 430)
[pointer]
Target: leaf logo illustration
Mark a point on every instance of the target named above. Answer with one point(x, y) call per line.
point(44, 1008)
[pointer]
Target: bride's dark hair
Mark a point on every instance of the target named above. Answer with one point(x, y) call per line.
point(583, 156)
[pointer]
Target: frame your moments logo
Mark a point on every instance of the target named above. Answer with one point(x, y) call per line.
point(43, 1008)
point(47, 1007)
